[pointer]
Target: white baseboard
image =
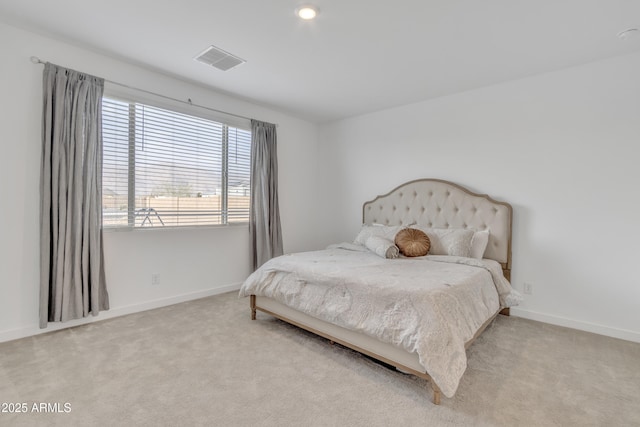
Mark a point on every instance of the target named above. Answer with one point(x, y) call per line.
point(15, 334)
point(623, 334)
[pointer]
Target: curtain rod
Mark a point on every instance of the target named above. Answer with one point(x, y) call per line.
point(37, 60)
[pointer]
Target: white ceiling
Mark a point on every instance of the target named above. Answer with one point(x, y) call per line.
point(358, 56)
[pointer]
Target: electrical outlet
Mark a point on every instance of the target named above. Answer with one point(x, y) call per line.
point(155, 279)
point(528, 288)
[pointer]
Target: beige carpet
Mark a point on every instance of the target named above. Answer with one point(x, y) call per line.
point(205, 363)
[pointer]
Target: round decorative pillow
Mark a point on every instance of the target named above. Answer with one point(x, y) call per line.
point(412, 242)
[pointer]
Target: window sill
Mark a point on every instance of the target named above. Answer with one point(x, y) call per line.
point(175, 228)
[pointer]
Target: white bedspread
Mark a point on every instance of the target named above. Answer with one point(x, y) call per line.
point(429, 305)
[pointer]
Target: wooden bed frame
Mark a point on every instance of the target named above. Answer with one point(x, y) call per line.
point(430, 203)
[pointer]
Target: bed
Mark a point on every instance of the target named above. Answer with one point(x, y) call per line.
point(416, 314)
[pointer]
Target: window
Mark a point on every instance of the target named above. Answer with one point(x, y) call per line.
point(162, 168)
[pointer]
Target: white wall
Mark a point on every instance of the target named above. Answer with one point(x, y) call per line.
point(191, 263)
point(562, 147)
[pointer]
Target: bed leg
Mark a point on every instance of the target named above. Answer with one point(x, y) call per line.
point(252, 302)
point(436, 397)
point(436, 394)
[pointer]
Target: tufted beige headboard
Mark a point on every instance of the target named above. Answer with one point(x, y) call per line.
point(436, 203)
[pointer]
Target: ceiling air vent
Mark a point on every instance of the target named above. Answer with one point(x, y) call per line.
point(218, 58)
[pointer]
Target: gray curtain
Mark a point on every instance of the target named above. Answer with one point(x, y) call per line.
point(72, 280)
point(264, 219)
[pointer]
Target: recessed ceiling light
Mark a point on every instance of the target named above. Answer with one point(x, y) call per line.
point(307, 12)
point(630, 33)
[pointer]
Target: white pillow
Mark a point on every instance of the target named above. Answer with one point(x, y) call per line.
point(384, 231)
point(479, 244)
point(382, 247)
point(449, 241)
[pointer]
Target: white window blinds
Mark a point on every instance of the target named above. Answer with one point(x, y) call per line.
point(162, 168)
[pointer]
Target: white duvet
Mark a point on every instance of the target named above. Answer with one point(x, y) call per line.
point(430, 305)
